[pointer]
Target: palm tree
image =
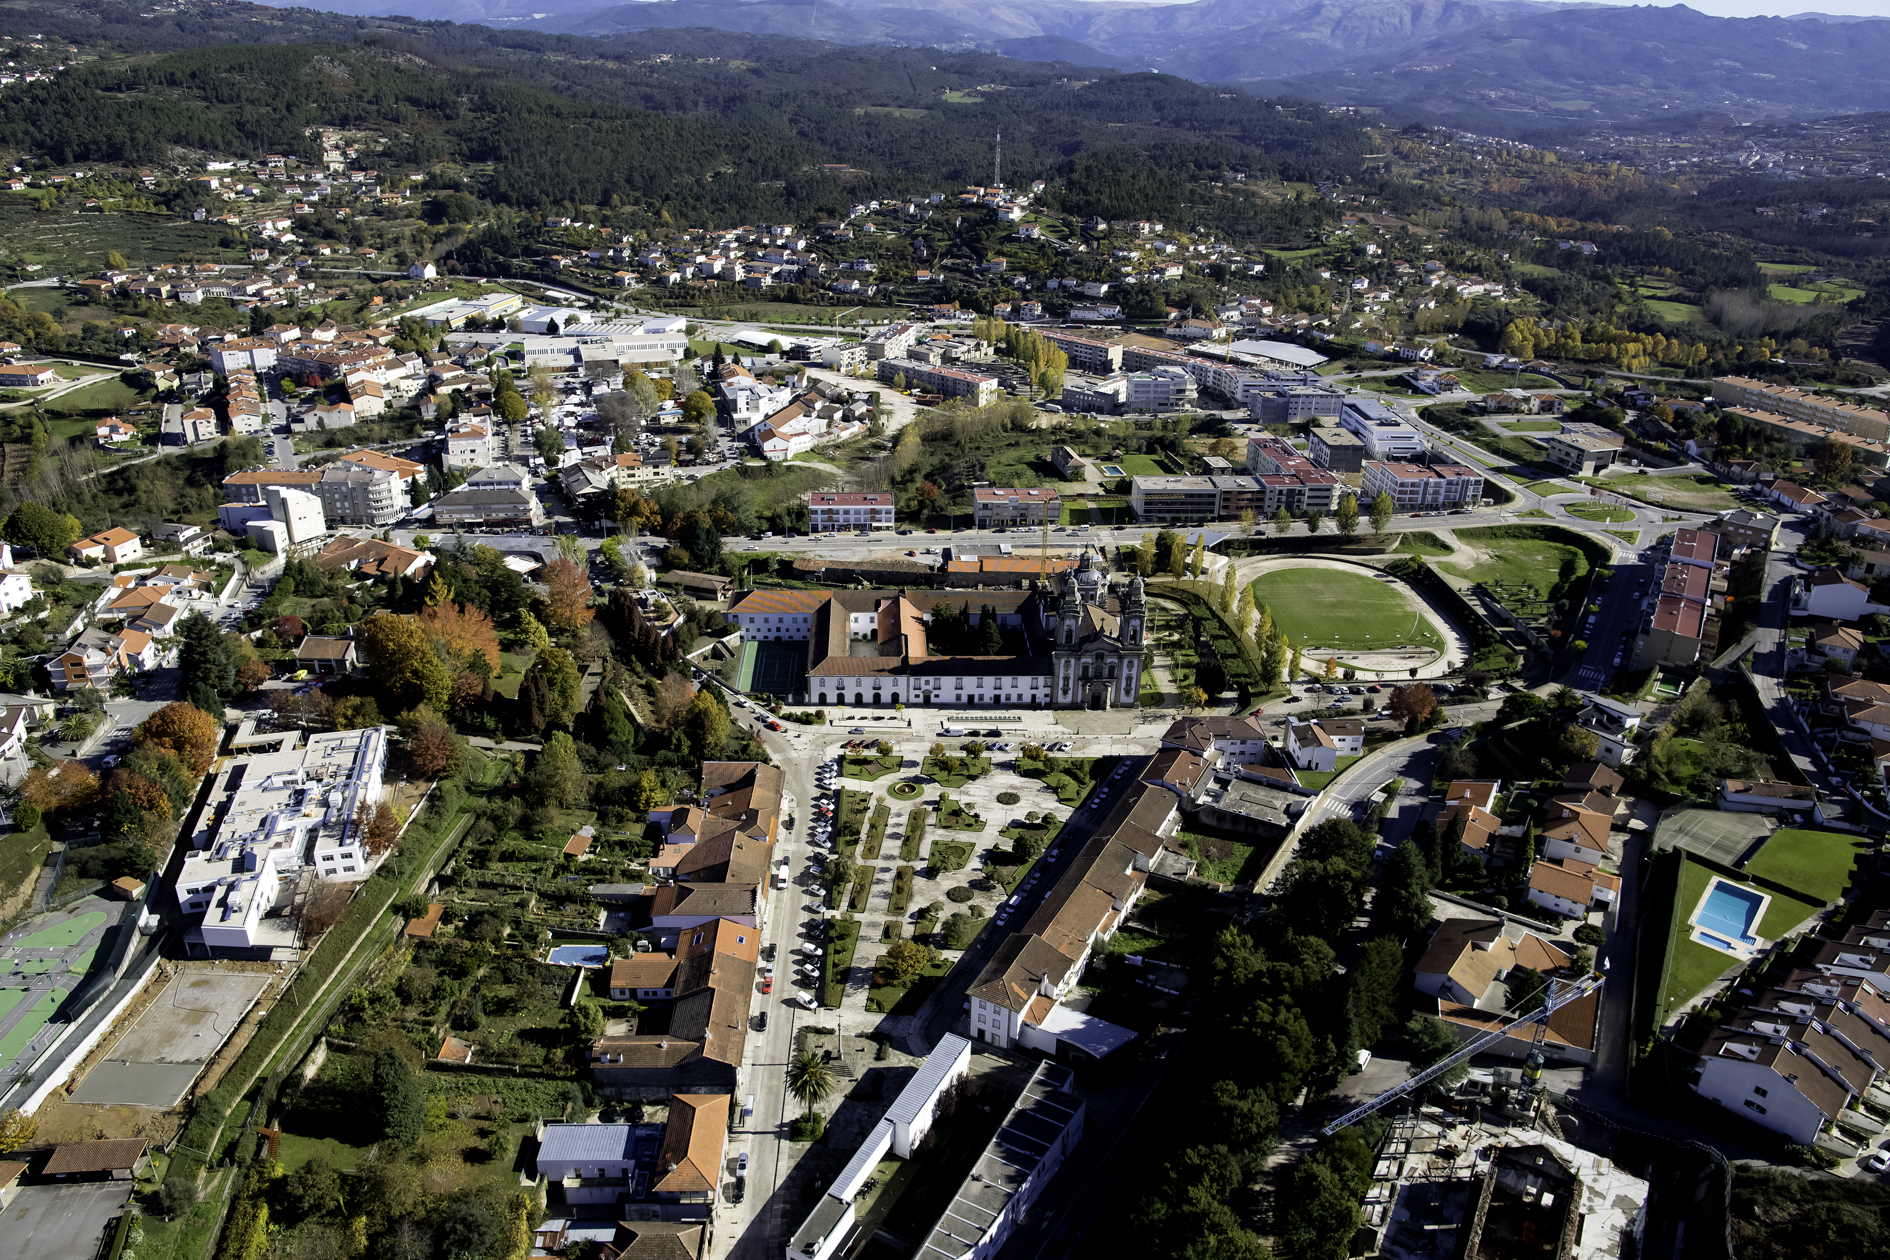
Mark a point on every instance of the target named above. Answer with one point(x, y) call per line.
point(809, 1079)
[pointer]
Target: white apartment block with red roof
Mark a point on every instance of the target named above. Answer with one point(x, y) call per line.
point(829, 511)
point(1415, 488)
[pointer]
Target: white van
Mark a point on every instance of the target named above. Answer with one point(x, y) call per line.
point(952, 732)
point(748, 1108)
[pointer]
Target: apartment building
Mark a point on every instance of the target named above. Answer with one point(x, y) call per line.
point(1192, 500)
point(1291, 404)
point(1289, 480)
point(471, 444)
point(829, 511)
point(994, 506)
point(114, 546)
point(1797, 404)
point(498, 496)
point(1086, 354)
point(1414, 488)
point(352, 494)
point(978, 388)
point(891, 343)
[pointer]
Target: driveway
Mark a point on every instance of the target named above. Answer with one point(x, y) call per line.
point(58, 1222)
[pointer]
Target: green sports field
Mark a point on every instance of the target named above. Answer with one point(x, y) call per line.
point(1329, 608)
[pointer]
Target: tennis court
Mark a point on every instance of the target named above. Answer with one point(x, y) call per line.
point(1723, 837)
point(780, 667)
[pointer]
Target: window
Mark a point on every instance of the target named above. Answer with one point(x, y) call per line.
point(1755, 1106)
point(697, 940)
point(1759, 1090)
point(347, 870)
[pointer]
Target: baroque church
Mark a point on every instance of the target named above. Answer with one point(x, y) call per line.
point(1083, 638)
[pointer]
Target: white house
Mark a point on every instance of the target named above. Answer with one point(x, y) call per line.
point(1571, 888)
point(16, 591)
point(1793, 1085)
point(1309, 747)
point(1615, 726)
point(1830, 596)
point(422, 271)
point(114, 546)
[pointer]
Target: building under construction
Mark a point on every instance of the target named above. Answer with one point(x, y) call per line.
point(1496, 1181)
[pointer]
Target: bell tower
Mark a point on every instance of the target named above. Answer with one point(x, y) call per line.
point(1134, 611)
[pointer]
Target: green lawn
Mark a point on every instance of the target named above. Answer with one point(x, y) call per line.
point(1329, 608)
point(869, 768)
point(1695, 493)
point(1533, 426)
point(1684, 314)
point(1816, 863)
point(1550, 487)
point(1600, 512)
point(1694, 966)
point(1318, 779)
point(1141, 466)
point(1521, 561)
point(105, 394)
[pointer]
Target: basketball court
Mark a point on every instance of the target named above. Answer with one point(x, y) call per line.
point(158, 1057)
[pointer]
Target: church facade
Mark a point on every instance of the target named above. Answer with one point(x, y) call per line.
point(1083, 645)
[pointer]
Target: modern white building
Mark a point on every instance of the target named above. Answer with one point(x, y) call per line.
point(471, 444)
point(295, 523)
point(1385, 434)
point(272, 818)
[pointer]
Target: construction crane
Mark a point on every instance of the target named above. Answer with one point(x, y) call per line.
point(1043, 546)
point(1560, 994)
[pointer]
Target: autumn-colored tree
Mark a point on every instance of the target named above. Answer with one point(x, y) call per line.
point(463, 633)
point(16, 1130)
point(568, 604)
point(1416, 701)
point(251, 675)
point(144, 794)
point(401, 661)
point(432, 750)
point(377, 827)
point(70, 786)
point(290, 627)
point(185, 730)
point(673, 695)
point(354, 713)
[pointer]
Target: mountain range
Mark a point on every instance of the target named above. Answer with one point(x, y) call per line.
point(1504, 64)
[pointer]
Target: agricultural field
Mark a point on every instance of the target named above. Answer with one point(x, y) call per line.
point(73, 241)
point(1330, 608)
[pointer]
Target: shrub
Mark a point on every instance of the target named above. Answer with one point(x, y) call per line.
point(960, 894)
point(809, 1128)
point(1008, 798)
point(1589, 934)
point(961, 930)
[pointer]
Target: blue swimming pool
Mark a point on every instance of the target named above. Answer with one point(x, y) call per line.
point(1730, 911)
point(579, 955)
point(1112, 470)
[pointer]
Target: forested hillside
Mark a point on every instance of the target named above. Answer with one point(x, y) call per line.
point(557, 120)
